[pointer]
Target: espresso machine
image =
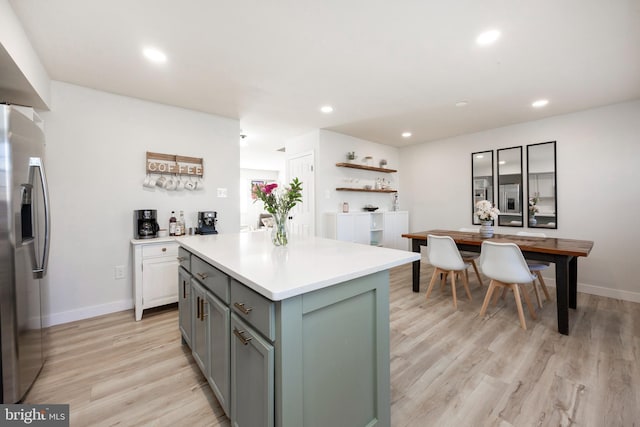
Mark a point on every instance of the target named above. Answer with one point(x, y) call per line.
point(207, 222)
point(145, 224)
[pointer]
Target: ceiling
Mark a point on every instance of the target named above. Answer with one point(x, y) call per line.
point(386, 67)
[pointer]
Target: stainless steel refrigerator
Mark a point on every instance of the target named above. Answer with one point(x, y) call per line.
point(24, 251)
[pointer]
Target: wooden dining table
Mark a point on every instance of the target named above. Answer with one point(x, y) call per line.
point(563, 253)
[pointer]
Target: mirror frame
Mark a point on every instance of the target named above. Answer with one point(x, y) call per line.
point(474, 199)
point(503, 213)
point(537, 224)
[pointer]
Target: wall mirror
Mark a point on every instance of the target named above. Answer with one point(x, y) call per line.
point(510, 187)
point(481, 180)
point(541, 185)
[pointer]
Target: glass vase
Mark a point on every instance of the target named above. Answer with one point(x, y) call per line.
point(279, 234)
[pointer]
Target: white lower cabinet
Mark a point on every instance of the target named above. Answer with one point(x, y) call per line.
point(155, 265)
point(395, 225)
point(369, 228)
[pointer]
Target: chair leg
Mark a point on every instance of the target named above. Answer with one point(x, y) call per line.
point(516, 294)
point(465, 282)
point(475, 268)
point(453, 290)
point(532, 312)
point(432, 282)
point(487, 298)
point(543, 285)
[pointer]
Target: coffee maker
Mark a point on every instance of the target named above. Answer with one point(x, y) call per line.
point(145, 224)
point(207, 222)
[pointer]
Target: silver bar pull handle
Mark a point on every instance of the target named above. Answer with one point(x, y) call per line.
point(240, 306)
point(202, 276)
point(36, 162)
point(240, 334)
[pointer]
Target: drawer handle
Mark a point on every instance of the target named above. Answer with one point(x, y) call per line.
point(244, 340)
point(240, 306)
point(202, 276)
point(198, 307)
point(164, 249)
point(181, 258)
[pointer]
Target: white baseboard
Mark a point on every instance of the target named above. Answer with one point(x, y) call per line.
point(87, 312)
point(601, 291)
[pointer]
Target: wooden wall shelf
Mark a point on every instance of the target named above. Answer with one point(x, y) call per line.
point(366, 168)
point(364, 190)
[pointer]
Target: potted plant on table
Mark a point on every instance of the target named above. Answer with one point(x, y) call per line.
point(486, 213)
point(278, 203)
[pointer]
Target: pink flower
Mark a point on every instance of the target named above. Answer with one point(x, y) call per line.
point(269, 188)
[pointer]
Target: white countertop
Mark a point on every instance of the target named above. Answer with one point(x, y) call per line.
point(306, 264)
point(152, 240)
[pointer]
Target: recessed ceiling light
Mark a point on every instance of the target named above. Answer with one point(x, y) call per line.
point(488, 37)
point(406, 134)
point(462, 103)
point(154, 55)
point(539, 103)
point(327, 109)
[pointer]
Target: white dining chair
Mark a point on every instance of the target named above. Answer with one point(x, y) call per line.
point(505, 265)
point(471, 257)
point(537, 267)
point(444, 256)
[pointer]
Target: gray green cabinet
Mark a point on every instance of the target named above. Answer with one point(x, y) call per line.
point(218, 334)
point(199, 341)
point(320, 358)
point(184, 304)
point(252, 377)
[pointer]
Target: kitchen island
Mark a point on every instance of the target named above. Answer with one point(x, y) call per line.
point(290, 336)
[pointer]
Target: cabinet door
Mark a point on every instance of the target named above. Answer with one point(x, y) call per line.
point(344, 228)
point(252, 383)
point(219, 353)
point(184, 304)
point(396, 224)
point(362, 228)
point(199, 337)
point(159, 281)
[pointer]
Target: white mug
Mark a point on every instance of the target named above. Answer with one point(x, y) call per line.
point(160, 182)
point(179, 184)
point(149, 181)
point(170, 184)
point(190, 185)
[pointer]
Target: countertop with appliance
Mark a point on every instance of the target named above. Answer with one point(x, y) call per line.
point(306, 264)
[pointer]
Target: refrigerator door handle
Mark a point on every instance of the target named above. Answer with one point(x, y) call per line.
point(36, 162)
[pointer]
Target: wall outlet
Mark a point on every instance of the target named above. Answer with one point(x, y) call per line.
point(222, 192)
point(119, 271)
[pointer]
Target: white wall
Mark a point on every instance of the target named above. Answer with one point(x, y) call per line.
point(95, 158)
point(597, 179)
point(331, 148)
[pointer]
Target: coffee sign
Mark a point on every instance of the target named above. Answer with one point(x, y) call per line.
point(173, 164)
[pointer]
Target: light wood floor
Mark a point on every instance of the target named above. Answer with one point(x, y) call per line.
point(448, 367)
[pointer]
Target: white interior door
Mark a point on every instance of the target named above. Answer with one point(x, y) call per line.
point(303, 214)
